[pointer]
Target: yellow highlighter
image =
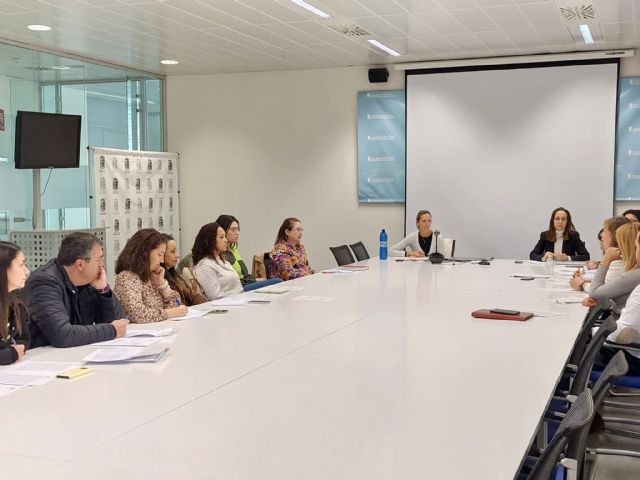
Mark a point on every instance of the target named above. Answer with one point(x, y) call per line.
point(75, 373)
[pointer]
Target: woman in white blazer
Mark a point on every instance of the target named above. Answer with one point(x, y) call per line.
point(419, 243)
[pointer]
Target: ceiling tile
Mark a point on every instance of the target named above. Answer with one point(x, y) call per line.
point(438, 44)
point(616, 32)
point(495, 40)
point(341, 8)
point(555, 36)
point(465, 42)
point(474, 20)
point(456, 4)
point(617, 11)
point(409, 24)
point(419, 6)
point(442, 22)
point(542, 14)
point(493, 3)
point(382, 7)
point(377, 26)
point(294, 31)
point(283, 11)
point(507, 18)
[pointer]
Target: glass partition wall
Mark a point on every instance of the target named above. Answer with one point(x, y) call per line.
point(119, 109)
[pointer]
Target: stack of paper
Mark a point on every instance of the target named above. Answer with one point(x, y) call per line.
point(127, 354)
point(273, 290)
point(165, 332)
point(192, 313)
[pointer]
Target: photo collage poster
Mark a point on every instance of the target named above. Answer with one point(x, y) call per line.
point(134, 190)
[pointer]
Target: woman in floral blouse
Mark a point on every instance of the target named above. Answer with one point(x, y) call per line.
point(140, 285)
point(288, 257)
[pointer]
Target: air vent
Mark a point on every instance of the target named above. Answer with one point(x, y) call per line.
point(579, 13)
point(352, 30)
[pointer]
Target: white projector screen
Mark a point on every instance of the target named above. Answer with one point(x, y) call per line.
point(492, 152)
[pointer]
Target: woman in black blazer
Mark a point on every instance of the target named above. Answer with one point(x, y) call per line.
point(561, 242)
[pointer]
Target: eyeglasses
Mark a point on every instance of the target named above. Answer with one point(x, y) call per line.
point(298, 229)
point(100, 260)
point(235, 229)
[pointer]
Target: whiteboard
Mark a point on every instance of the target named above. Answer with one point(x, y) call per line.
point(492, 152)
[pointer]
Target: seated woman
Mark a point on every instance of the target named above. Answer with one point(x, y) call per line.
point(607, 237)
point(289, 258)
point(632, 215)
point(188, 289)
point(619, 289)
point(14, 329)
point(140, 285)
point(561, 242)
point(419, 243)
point(215, 275)
point(231, 227)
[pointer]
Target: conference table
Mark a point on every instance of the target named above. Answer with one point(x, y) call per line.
point(379, 374)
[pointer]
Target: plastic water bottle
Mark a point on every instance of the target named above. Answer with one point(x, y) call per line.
point(550, 265)
point(383, 245)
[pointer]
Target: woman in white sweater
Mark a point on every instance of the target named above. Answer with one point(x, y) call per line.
point(215, 275)
point(419, 243)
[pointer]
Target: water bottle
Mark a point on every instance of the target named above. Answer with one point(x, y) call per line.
point(383, 245)
point(550, 265)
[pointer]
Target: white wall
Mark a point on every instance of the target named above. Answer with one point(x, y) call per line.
point(265, 146)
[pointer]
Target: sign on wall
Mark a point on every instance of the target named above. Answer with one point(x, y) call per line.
point(381, 146)
point(627, 180)
point(134, 190)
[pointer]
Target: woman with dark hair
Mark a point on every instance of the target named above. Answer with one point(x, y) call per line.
point(14, 331)
point(215, 275)
point(289, 258)
point(190, 293)
point(140, 285)
point(632, 215)
point(561, 241)
point(231, 227)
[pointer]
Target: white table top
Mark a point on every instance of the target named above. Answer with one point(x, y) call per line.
point(392, 379)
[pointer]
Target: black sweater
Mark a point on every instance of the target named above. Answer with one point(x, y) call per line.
point(8, 354)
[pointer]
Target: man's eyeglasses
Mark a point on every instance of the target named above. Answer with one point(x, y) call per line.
point(100, 260)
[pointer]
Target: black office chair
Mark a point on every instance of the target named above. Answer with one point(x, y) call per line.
point(342, 255)
point(360, 251)
point(267, 262)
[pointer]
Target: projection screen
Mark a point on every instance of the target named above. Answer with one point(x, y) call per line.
point(492, 152)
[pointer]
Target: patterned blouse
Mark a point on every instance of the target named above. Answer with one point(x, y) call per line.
point(217, 278)
point(289, 261)
point(142, 302)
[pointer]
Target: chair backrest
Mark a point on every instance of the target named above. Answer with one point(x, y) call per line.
point(594, 315)
point(586, 363)
point(616, 367)
point(267, 262)
point(360, 251)
point(259, 265)
point(577, 419)
point(342, 254)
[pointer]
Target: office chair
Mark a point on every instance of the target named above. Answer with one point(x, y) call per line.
point(342, 254)
point(360, 251)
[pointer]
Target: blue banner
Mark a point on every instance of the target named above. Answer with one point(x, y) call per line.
point(628, 147)
point(381, 146)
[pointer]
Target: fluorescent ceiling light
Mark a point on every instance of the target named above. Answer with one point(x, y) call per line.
point(169, 62)
point(311, 8)
point(586, 34)
point(383, 47)
point(60, 67)
point(39, 28)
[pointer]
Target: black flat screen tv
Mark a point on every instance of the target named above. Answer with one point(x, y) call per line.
point(47, 140)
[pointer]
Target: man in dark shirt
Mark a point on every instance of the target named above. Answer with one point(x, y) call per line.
point(69, 300)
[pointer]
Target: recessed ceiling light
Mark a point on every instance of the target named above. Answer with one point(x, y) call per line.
point(39, 28)
point(383, 47)
point(311, 8)
point(60, 67)
point(169, 62)
point(586, 34)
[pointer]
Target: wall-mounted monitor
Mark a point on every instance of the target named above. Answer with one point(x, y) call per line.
point(47, 140)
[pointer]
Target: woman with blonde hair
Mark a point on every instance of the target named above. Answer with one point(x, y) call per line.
point(581, 279)
point(617, 290)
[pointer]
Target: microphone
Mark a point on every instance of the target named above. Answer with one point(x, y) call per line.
point(436, 257)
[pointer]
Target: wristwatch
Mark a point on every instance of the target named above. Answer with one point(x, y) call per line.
point(103, 291)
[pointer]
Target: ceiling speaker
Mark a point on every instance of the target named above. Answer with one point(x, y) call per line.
point(378, 75)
